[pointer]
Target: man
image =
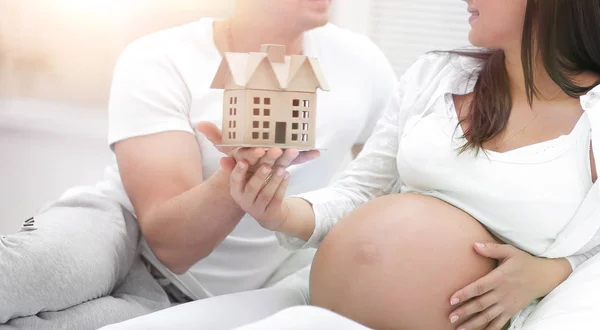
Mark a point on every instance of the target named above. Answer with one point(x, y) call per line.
point(198, 243)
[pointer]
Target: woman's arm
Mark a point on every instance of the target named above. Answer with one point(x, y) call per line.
point(310, 216)
point(304, 220)
point(576, 260)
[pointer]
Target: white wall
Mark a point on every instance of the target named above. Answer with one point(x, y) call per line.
point(406, 29)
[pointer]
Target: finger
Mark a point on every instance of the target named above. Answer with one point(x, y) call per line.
point(250, 155)
point(484, 318)
point(237, 182)
point(214, 135)
point(478, 288)
point(268, 191)
point(289, 155)
point(271, 157)
point(228, 164)
point(211, 131)
point(473, 307)
point(255, 185)
point(306, 156)
point(499, 323)
point(495, 251)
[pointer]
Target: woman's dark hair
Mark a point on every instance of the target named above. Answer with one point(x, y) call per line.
point(567, 37)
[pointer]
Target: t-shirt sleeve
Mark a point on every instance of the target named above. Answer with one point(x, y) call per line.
point(148, 95)
point(383, 80)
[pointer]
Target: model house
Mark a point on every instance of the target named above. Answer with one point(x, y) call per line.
point(269, 98)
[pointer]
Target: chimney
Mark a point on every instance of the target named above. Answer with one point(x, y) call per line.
point(276, 53)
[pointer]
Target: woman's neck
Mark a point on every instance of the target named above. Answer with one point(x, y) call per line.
point(246, 33)
point(547, 88)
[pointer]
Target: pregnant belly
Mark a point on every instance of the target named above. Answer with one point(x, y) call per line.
point(395, 262)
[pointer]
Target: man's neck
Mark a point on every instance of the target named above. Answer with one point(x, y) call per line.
point(241, 33)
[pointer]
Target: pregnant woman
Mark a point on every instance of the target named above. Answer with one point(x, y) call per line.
point(487, 161)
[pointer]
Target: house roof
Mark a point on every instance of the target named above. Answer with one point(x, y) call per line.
point(243, 66)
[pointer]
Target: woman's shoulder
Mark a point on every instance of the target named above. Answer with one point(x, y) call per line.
point(439, 72)
point(438, 64)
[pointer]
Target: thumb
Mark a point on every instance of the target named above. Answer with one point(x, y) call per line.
point(211, 131)
point(228, 164)
point(213, 134)
point(495, 251)
point(306, 156)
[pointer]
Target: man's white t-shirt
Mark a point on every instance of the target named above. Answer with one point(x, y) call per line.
point(162, 83)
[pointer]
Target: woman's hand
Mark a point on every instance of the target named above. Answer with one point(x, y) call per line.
point(490, 302)
point(261, 194)
point(255, 157)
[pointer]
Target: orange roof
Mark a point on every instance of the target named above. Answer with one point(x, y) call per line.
point(243, 66)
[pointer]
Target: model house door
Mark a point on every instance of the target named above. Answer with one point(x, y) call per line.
point(280, 132)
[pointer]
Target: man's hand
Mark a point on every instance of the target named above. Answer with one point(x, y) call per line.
point(255, 157)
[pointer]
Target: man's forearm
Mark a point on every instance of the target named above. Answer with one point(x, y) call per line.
point(186, 228)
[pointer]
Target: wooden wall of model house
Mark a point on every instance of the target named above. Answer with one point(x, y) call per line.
point(264, 117)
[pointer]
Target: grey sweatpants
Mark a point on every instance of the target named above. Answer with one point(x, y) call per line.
point(75, 266)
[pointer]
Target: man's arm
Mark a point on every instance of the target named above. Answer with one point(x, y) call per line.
point(182, 215)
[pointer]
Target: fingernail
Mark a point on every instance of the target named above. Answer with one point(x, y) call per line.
point(242, 165)
point(453, 318)
point(266, 170)
point(462, 329)
point(280, 172)
point(480, 245)
point(454, 301)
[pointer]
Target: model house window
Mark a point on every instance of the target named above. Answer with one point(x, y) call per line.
point(295, 113)
point(235, 111)
point(294, 125)
point(305, 127)
point(304, 137)
point(235, 100)
point(266, 124)
point(229, 135)
point(305, 114)
point(231, 100)
point(256, 112)
point(257, 100)
point(255, 135)
point(234, 124)
point(230, 125)
point(296, 103)
point(255, 124)
point(234, 135)
point(267, 101)
point(306, 103)
point(294, 137)
point(267, 112)
point(230, 111)
point(265, 136)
